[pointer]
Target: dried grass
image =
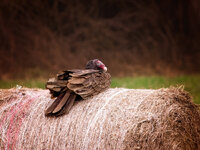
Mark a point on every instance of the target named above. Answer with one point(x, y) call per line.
point(115, 119)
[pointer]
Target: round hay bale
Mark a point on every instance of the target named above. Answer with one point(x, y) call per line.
point(115, 119)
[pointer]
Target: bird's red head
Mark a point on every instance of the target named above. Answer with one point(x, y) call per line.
point(96, 64)
point(101, 65)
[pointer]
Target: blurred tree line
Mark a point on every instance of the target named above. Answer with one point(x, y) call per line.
point(130, 36)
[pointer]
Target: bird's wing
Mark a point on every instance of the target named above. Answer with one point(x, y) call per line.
point(58, 84)
point(88, 83)
point(67, 84)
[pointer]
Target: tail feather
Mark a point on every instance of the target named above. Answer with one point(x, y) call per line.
point(54, 104)
point(62, 104)
point(68, 105)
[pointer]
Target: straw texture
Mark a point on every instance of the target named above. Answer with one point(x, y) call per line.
point(114, 119)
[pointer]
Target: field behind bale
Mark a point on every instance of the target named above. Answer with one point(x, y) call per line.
point(190, 83)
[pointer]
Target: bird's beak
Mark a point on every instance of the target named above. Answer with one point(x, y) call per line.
point(105, 69)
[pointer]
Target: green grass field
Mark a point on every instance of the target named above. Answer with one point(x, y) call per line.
point(191, 83)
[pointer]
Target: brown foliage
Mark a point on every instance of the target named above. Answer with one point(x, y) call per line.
point(131, 37)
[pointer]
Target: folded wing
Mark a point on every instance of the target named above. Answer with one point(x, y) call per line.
point(67, 85)
point(89, 84)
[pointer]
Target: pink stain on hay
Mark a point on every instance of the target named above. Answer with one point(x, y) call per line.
point(4, 117)
point(16, 114)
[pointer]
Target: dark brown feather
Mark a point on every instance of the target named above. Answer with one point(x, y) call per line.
point(68, 105)
point(62, 104)
point(54, 104)
point(70, 83)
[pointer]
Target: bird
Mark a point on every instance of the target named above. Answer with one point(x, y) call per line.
point(71, 85)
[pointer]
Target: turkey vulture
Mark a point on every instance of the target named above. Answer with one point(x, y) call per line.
point(71, 85)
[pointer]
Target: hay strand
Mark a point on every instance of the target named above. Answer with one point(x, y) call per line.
point(115, 119)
